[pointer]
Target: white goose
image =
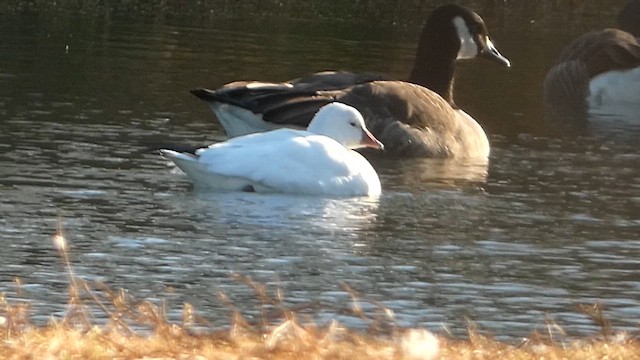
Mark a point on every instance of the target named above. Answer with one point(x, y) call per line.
point(418, 118)
point(316, 161)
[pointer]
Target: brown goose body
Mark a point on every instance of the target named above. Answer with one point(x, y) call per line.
point(414, 118)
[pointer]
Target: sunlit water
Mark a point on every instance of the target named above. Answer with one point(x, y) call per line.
point(548, 224)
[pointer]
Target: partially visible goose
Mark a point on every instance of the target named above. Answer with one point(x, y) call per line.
point(597, 70)
point(316, 161)
point(414, 118)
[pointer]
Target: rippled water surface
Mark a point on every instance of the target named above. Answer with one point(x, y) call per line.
point(548, 224)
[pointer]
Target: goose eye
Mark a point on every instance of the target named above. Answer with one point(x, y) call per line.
point(353, 124)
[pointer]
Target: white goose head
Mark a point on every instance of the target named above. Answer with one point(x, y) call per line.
point(344, 124)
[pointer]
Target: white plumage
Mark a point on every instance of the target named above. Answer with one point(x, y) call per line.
point(316, 161)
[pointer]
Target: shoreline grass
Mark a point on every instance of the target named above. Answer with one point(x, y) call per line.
point(289, 339)
point(139, 329)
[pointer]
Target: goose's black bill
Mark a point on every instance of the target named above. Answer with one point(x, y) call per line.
point(491, 53)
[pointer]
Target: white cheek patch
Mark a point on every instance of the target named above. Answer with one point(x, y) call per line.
point(468, 47)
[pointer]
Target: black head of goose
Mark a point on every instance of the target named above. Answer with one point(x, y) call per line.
point(599, 68)
point(414, 118)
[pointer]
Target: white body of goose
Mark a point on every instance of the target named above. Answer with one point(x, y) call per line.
point(414, 118)
point(615, 87)
point(316, 161)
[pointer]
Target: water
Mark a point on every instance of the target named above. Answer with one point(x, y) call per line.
point(548, 224)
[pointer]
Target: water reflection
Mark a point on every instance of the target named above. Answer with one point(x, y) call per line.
point(289, 213)
point(620, 122)
point(425, 174)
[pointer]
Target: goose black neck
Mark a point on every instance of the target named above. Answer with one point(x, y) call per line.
point(434, 66)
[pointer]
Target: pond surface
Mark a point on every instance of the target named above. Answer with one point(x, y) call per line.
point(548, 224)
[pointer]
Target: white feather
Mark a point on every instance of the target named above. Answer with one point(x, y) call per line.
point(615, 87)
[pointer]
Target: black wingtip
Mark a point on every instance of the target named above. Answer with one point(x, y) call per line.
point(202, 93)
point(213, 96)
point(158, 147)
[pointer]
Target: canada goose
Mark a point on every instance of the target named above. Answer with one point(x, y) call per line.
point(316, 161)
point(414, 118)
point(598, 69)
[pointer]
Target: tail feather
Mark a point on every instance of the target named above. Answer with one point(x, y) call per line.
point(202, 178)
point(185, 161)
point(212, 96)
point(189, 149)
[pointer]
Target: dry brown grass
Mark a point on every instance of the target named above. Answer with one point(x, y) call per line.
point(289, 340)
point(140, 330)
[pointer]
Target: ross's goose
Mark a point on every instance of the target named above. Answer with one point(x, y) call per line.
point(316, 161)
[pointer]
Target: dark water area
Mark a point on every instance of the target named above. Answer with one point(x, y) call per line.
point(85, 93)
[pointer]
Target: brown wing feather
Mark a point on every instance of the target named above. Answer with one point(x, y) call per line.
point(296, 110)
point(407, 118)
point(335, 80)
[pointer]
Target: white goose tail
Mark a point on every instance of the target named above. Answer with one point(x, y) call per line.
point(185, 161)
point(205, 179)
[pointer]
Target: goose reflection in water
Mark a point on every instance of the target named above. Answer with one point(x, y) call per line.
point(423, 174)
point(287, 215)
point(620, 123)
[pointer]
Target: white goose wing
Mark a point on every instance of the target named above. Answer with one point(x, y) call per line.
point(292, 161)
